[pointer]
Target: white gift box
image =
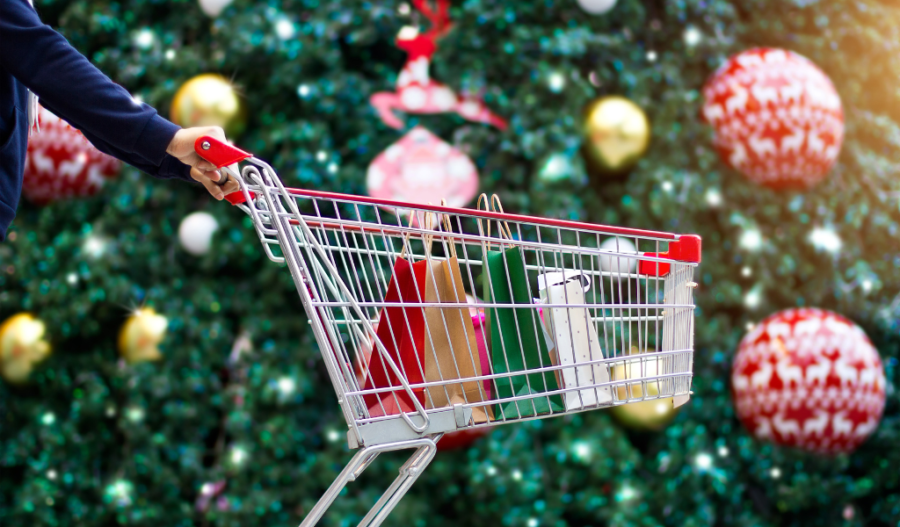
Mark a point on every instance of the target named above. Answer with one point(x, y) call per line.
point(574, 338)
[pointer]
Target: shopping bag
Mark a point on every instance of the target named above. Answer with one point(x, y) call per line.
point(574, 338)
point(516, 341)
point(451, 348)
point(401, 329)
point(478, 323)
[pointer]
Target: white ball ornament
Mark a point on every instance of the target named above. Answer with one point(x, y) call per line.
point(597, 7)
point(195, 232)
point(615, 264)
point(214, 8)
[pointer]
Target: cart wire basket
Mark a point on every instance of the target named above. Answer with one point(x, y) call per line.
point(571, 316)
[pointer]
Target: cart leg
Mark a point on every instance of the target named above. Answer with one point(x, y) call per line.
point(409, 473)
point(357, 465)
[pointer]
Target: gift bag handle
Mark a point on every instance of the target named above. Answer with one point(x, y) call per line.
point(493, 204)
point(428, 239)
point(445, 219)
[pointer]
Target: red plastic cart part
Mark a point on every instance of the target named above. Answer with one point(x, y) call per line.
point(686, 249)
point(219, 153)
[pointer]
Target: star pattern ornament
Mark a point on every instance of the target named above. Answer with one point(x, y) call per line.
point(777, 118)
point(141, 335)
point(421, 168)
point(61, 163)
point(811, 379)
point(22, 345)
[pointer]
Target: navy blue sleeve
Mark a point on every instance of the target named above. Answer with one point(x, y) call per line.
point(74, 89)
point(170, 168)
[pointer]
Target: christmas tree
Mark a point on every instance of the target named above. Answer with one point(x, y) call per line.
point(237, 423)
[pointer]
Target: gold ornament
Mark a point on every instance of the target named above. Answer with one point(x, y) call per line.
point(141, 335)
point(654, 414)
point(209, 100)
point(616, 134)
point(22, 345)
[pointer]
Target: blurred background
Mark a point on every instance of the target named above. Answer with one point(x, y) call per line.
point(157, 368)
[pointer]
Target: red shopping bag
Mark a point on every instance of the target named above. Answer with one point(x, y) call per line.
point(402, 331)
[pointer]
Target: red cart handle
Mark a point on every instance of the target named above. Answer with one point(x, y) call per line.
point(221, 154)
point(685, 249)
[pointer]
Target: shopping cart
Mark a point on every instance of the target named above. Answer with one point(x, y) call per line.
point(573, 316)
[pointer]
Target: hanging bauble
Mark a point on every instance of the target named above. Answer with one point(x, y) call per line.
point(462, 438)
point(616, 134)
point(61, 163)
point(209, 100)
point(597, 7)
point(22, 345)
point(623, 263)
point(195, 232)
point(811, 379)
point(140, 336)
point(777, 117)
point(421, 168)
point(556, 167)
point(650, 415)
point(214, 8)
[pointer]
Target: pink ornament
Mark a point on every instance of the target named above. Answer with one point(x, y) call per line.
point(777, 117)
point(811, 379)
point(421, 168)
point(62, 163)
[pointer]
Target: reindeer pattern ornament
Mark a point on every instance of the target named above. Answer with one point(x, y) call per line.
point(61, 163)
point(777, 117)
point(809, 378)
point(416, 91)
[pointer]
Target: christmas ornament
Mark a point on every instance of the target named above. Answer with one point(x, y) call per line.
point(61, 163)
point(616, 134)
point(195, 232)
point(214, 8)
point(557, 167)
point(617, 264)
point(597, 7)
point(421, 168)
point(416, 92)
point(651, 415)
point(22, 345)
point(809, 378)
point(140, 336)
point(461, 439)
point(209, 100)
point(777, 117)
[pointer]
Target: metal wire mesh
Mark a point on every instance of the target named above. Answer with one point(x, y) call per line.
point(421, 309)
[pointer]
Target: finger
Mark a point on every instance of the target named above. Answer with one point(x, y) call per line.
point(216, 132)
point(231, 186)
point(205, 166)
point(214, 190)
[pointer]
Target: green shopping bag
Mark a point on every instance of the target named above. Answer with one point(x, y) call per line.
point(516, 341)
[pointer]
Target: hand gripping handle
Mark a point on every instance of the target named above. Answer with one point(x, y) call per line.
point(221, 155)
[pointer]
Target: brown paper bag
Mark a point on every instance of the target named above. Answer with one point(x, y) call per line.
point(451, 350)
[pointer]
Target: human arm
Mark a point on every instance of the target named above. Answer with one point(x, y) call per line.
point(73, 88)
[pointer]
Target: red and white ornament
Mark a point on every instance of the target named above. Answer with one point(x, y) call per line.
point(416, 91)
point(777, 117)
point(811, 379)
point(421, 168)
point(61, 163)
